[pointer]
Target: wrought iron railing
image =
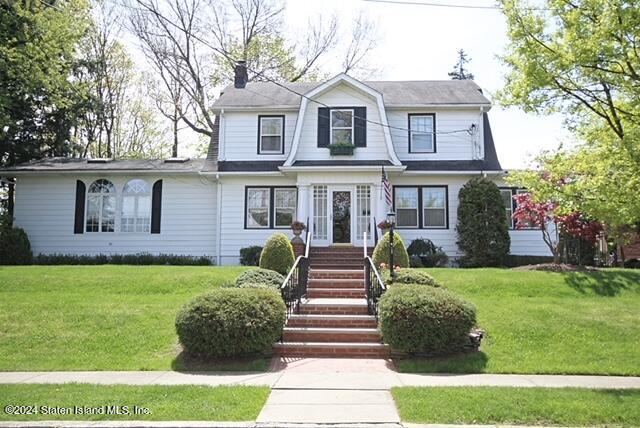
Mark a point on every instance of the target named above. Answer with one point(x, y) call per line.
point(374, 285)
point(294, 287)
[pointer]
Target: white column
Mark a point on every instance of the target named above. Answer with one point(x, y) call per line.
point(303, 202)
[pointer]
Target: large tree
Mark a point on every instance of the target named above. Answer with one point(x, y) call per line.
point(38, 97)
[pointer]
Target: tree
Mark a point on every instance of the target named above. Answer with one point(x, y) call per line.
point(38, 97)
point(580, 58)
point(483, 231)
point(459, 71)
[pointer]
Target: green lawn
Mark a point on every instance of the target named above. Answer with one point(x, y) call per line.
point(99, 317)
point(518, 406)
point(159, 403)
point(541, 322)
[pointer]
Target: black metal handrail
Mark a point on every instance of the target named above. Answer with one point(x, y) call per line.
point(294, 287)
point(374, 285)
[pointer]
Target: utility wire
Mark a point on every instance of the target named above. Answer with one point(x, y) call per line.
point(446, 5)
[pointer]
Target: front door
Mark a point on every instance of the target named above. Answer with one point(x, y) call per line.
point(341, 216)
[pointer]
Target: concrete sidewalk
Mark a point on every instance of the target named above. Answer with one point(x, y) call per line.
point(320, 380)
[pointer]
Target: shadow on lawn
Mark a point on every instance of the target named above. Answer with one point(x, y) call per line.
point(604, 283)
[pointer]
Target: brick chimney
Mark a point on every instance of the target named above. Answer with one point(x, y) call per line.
point(241, 78)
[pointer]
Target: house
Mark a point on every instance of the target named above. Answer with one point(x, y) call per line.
point(276, 159)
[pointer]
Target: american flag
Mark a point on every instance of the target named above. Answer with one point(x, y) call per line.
point(386, 189)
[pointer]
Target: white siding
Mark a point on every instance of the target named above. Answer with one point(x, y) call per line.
point(454, 146)
point(342, 96)
point(241, 135)
point(45, 207)
point(233, 234)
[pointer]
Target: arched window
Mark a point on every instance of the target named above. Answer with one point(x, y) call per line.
point(136, 207)
point(101, 206)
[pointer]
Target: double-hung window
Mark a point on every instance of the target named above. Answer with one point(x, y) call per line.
point(270, 207)
point(101, 207)
point(507, 199)
point(258, 207)
point(406, 201)
point(434, 207)
point(341, 126)
point(271, 134)
point(422, 137)
point(136, 207)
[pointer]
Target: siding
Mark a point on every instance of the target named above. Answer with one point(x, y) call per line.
point(45, 207)
point(456, 146)
point(342, 96)
point(241, 135)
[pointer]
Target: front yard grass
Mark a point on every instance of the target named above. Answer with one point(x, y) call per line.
point(518, 406)
point(165, 403)
point(100, 317)
point(542, 322)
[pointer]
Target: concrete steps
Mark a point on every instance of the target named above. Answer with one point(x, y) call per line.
point(333, 320)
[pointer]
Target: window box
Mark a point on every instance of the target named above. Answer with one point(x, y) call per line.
point(341, 149)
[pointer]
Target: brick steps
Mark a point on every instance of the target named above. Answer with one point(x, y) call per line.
point(333, 319)
point(332, 349)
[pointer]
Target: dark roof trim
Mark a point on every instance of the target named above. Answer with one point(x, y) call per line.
point(342, 163)
point(451, 165)
point(490, 155)
point(249, 166)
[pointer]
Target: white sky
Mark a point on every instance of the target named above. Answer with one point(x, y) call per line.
point(420, 43)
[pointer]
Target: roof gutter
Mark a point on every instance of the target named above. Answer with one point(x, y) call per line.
point(336, 168)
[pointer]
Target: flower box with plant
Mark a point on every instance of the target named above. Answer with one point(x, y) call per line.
point(341, 149)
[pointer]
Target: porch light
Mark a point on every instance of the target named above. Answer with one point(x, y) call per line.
point(391, 218)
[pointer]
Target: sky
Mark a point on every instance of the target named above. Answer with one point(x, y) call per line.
point(420, 43)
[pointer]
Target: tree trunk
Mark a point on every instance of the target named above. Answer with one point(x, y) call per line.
point(10, 201)
point(174, 152)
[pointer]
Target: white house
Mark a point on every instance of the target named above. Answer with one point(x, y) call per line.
point(272, 164)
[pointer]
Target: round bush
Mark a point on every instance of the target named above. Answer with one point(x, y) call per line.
point(277, 254)
point(260, 278)
point(231, 322)
point(250, 256)
point(425, 320)
point(15, 248)
point(383, 249)
point(410, 276)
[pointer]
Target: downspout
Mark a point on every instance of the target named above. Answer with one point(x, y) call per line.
point(219, 220)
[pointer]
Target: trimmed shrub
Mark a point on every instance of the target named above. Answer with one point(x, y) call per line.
point(483, 231)
point(260, 278)
point(277, 254)
point(415, 261)
point(514, 261)
point(250, 256)
point(425, 320)
point(15, 248)
point(429, 254)
point(231, 322)
point(410, 276)
point(122, 259)
point(383, 250)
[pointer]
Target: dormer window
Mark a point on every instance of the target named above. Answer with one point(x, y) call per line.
point(271, 135)
point(422, 133)
point(341, 126)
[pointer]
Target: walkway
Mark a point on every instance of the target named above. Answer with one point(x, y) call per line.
point(324, 390)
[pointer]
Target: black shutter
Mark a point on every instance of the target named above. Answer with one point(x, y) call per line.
point(156, 206)
point(78, 225)
point(360, 124)
point(323, 126)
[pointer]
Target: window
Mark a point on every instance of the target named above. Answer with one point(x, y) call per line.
point(136, 207)
point(507, 198)
point(406, 203)
point(434, 206)
point(526, 224)
point(101, 207)
point(341, 126)
point(270, 207)
point(422, 133)
point(271, 134)
point(285, 209)
point(258, 208)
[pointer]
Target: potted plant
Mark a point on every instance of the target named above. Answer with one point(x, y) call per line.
point(384, 226)
point(341, 149)
point(297, 227)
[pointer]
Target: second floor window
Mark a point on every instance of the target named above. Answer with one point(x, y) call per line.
point(271, 139)
point(341, 126)
point(422, 133)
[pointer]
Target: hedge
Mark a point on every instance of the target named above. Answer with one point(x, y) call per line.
point(424, 253)
point(410, 276)
point(231, 322)
point(250, 256)
point(425, 320)
point(122, 259)
point(277, 254)
point(260, 278)
point(383, 249)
